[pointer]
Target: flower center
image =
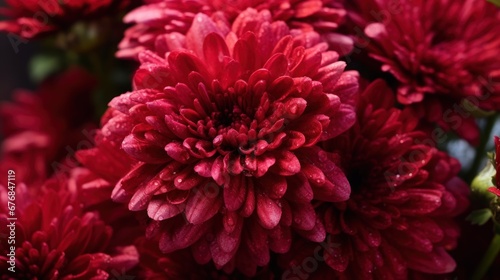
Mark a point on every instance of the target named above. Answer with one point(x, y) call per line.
point(356, 178)
point(234, 118)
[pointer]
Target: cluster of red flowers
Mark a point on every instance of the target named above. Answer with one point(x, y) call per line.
point(33, 18)
point(253, 144)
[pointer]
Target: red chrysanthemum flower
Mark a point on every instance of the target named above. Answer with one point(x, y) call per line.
point(224, 137)
point(443, 54)
point(55, 239)
point(31, 18)
point(160, 24)
point(93, 194)
point(46, 126)
point(404, 194)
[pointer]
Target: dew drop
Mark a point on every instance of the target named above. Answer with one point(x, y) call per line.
point(281, 189)
point(230, 221)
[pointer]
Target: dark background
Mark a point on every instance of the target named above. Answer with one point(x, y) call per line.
point(14, 67)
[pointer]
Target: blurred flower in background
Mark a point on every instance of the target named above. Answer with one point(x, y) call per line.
point(34, 18)
point(443, 54)
point(57, 240)
point(43, 127)
point(159, 25)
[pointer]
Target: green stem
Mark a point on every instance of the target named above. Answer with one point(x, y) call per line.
point(481, 150)
point(103, 72)
point(487, 259)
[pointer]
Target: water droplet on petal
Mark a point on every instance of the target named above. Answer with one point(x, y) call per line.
point(230, 221)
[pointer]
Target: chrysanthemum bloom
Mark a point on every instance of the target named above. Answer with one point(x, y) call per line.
point(54, 239)
point(443, 54)
point(224, 139)
point(160, 24)
point(21, 190)
point(31, 18)
point(47, 125)
point(404, 195)
point(27, 156)
point(154, 265)
point(93, 194)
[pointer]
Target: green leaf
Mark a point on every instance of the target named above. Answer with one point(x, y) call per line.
point(479, 217)
point(482, 182)
point(496, 2)
point(44, 65)
point(472, 108)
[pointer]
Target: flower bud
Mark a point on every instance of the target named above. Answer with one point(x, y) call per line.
point(482, 183)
